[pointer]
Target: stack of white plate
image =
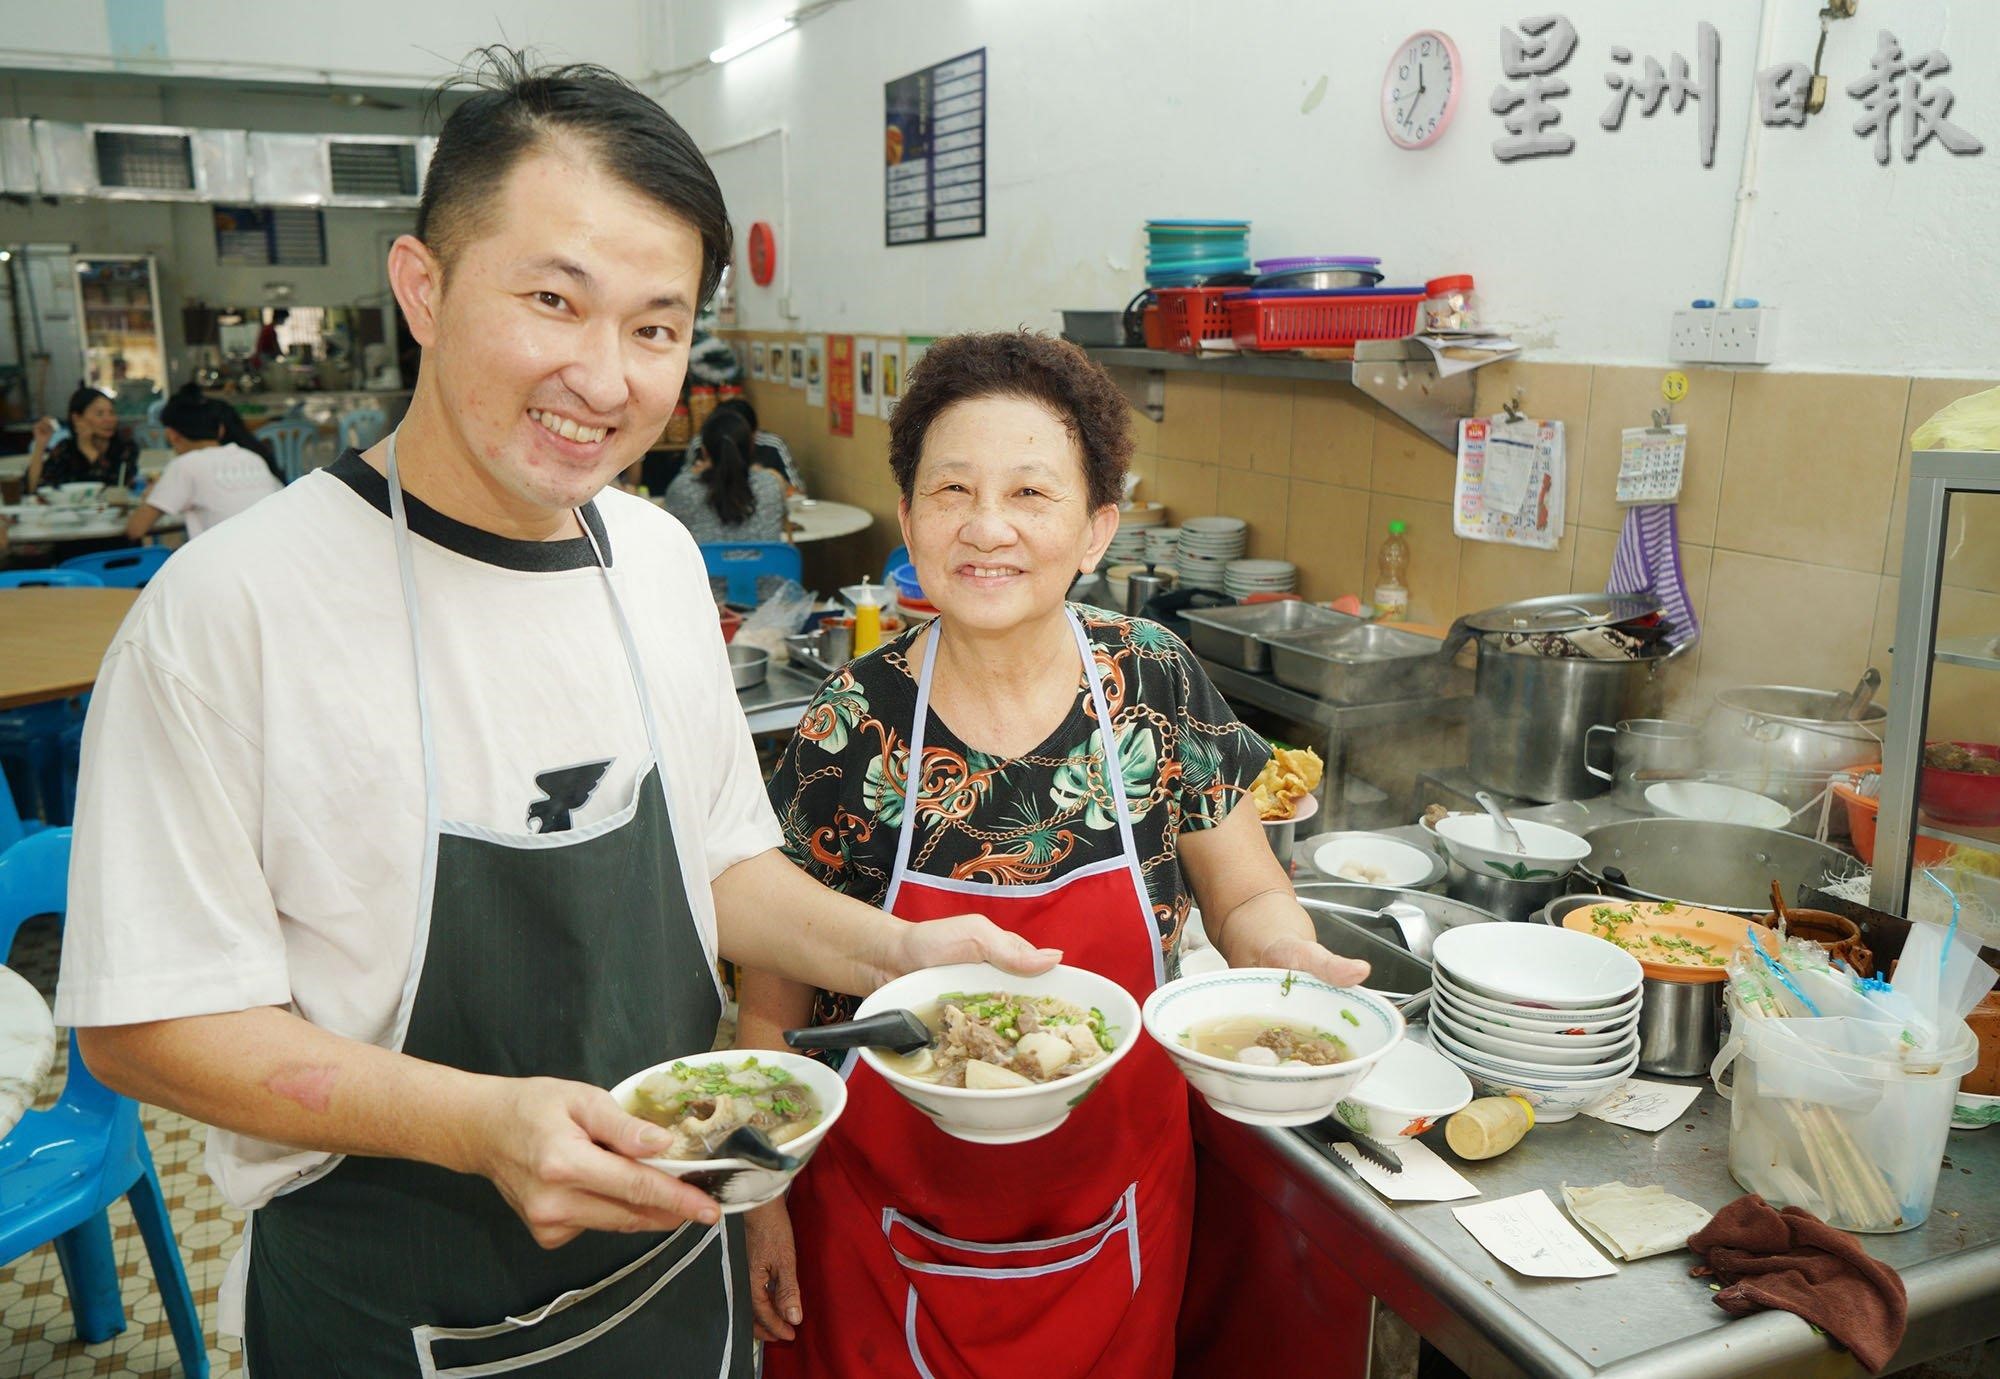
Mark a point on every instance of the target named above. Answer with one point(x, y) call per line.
point(1163, 545)
point(1549, 1015)
point(1136, 515)
point(1207, 545)
point(1242, 578)
point(1128, 547)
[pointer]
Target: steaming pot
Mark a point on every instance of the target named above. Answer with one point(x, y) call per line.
point(1789, 733)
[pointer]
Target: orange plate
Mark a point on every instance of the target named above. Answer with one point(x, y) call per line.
point(1649, 927)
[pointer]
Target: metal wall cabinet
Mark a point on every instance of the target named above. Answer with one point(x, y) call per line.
point(1950, 577)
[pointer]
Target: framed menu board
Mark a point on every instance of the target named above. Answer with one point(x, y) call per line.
point(935, 147)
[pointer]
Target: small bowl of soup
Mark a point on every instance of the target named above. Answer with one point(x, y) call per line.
point(1271, 1047)
point(1011, 1055)
point(701, 1098)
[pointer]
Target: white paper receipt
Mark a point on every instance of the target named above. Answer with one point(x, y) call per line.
point(1642, 1105)
point(1425, 1177)
point(1529, 1236)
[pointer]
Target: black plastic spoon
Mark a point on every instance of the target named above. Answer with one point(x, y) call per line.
point(897, 1030)
point(753, 1146)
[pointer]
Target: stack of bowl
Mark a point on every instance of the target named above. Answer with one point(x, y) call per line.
point(1548, 1015)
point(1484, 869)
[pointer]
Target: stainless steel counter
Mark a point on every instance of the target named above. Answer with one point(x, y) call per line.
point(778, 703)
point(1650, 1319)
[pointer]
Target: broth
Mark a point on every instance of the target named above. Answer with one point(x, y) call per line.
point(1260, 1041)
point(701, 1103)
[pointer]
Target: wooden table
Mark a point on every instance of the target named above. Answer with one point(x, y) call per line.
point(53, 640)
point(814, 519)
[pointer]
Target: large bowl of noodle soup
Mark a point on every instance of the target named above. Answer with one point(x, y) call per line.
point(1007, 1114)
point(1183, 1014)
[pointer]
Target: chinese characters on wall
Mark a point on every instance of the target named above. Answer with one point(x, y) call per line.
point(1903, 104)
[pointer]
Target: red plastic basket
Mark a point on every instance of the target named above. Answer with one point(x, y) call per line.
point(1310, 323)
point(1190, 315)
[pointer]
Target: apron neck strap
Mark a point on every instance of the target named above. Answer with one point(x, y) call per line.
point(913, 772)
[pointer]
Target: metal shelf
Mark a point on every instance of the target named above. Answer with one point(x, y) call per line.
point(1401, 375)
point(1981, 653)
point(1981, 839)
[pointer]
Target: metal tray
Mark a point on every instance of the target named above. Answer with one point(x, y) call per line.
point(1230, 635)
point(1358, 664)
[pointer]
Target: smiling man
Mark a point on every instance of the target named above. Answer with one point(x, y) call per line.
point(417, 807)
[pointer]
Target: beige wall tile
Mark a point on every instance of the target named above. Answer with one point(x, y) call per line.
point(1928, 396)
point(1965, 701)
point(1408, 463)
point(1145, 431)
point(1147, 466)
point(1192, 428)
point(1591, 570)
point(1810, 467)
point(1187, 488)
point(1257, 424)
point(1333, 435)
point(1785, 622)
point(1558, 392)
point(1325, 532)
point(1262, 500)
point(1490, 573)
point(1434, 554)
point(1622, 397)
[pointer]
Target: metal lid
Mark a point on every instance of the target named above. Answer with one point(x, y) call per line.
point(1563, 613)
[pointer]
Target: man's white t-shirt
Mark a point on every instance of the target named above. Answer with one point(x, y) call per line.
point(211, 483)
point(250, 817)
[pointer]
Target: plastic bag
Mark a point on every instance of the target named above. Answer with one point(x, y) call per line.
point(784, 611)
point(1971, 423)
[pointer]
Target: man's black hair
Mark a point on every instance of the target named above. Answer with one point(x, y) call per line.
point(516, 108)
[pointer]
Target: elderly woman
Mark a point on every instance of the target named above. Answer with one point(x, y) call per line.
point(1075, 772)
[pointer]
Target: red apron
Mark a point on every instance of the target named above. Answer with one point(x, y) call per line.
point(924, 1255)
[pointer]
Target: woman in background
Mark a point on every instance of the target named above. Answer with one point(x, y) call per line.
point(218, 469)
point(95, 451)
point(723, 496)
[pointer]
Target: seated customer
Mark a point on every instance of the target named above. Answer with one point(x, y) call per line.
point(770, 451)
point(95, 451)
point(722, 496)
point(219, 470)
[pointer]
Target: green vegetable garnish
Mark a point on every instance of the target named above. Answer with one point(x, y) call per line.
point(1349, 1016)
point(1285, 986)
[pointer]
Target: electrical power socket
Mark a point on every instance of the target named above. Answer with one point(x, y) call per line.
point(1745, 335)
point(1692, 337)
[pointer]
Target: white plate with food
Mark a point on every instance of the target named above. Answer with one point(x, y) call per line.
point(702, 1098)
point(1373, 859)
point(1012, 1054)
point(1271, 1047)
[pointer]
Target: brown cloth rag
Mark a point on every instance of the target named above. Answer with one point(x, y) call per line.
point(1795, 1262)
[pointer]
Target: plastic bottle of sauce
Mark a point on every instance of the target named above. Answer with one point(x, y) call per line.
point(867, 625)
point(1491, 1125)
point(1392, 571)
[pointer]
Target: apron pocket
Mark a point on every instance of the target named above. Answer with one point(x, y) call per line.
point(1046, 1308)
point(672, 1306)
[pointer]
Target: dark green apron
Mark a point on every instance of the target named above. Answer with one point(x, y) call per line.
point(573, 955)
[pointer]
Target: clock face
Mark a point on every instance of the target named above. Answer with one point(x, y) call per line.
point(1420, 89)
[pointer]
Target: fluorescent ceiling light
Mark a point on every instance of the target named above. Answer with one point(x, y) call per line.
point(756, 38)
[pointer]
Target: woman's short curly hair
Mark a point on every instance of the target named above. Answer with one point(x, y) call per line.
point(1021, 364)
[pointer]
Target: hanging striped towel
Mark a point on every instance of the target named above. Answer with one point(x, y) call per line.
point(1648, 561)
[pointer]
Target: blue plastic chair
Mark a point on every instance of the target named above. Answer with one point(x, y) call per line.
point(151, 436)
point(61, 1168)
point(290, 437)
point(13, 828)
point(133, 568)
point(362, 427)
point(741, 562)
point(153, 410)
point(49, 579)
point(899, 556)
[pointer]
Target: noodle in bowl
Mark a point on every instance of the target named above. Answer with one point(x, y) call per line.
point(1003, 1115)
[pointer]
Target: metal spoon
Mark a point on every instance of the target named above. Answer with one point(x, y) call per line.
point(753, 1146)
point(1855, 704)
point(897, 1030)
point(1507, 829)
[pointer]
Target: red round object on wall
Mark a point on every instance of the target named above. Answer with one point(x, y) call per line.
point(763, 253)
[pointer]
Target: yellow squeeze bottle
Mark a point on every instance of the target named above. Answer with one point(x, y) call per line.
point(867, 625)
point(1490, 1125)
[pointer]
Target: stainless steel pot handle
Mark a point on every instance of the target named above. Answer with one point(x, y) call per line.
point(1587, 733)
